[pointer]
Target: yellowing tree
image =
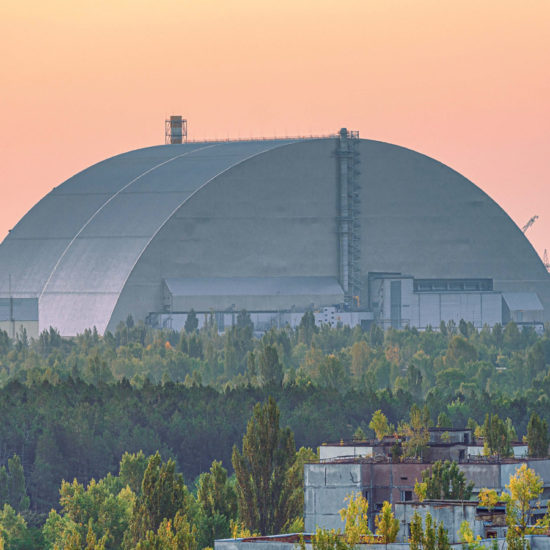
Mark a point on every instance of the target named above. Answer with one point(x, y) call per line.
point(525, 485)
point(355, 519)
point(387, 525)
point(488, 498)
point(379, 423)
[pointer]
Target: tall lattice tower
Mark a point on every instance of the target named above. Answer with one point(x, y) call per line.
point(349, 223)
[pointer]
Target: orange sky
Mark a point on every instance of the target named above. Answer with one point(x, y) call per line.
point(465, 82)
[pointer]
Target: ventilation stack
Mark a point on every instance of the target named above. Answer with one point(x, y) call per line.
point(175, 130)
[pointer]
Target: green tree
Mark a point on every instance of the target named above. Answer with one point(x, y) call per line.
point(416, 431)
point(296, 480)
point(416, 539)
point(270, 370)
point(537, 436)
point(99, 513)
point(360, 354)
point(460, 351)
point(163, 494)
point(496, 436)
point(176, 534)
point(191, 322)
point(217, 498)
point(414, 381)
point(14, 532)
point(325, 539)
point(132, 468)
point(307, 328)
point(443, 420)
point(262, 471)
point(445, 481)
point(430, 540)
point(331, 372)
point(442, 538)
point(13, 490)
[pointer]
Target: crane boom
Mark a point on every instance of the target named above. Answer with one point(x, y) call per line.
point(529, 223)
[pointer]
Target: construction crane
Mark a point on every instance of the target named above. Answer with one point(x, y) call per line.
point(529, 223)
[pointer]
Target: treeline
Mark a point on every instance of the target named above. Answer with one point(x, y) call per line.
point(71, 408)
point(455, 358)
point(146, 504)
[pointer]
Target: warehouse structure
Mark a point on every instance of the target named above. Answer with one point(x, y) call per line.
point(356, 230)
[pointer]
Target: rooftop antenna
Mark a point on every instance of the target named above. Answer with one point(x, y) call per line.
point(529, 224)
point(175, 130)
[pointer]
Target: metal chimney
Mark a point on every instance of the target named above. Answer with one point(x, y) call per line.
point(175, 130)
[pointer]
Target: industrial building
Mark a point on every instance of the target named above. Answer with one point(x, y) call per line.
point(369, 468)
point(356, 230)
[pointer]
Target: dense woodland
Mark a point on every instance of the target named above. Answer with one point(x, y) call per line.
point(72, 408)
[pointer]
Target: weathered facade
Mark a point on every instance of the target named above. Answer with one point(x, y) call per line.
point(327, 484)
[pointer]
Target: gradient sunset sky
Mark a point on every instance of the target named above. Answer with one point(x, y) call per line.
point(466, 82)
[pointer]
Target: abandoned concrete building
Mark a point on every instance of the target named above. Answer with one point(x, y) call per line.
point(368, 467)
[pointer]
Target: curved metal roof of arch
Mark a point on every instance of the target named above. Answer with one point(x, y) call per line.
point(92, 228)
point(78, 246)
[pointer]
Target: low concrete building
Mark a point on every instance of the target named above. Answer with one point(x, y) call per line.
point(327, 484)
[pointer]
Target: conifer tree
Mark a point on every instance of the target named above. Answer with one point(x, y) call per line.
point(262, 471)
point(537, 436)
point(163, 494)
point(445, 481)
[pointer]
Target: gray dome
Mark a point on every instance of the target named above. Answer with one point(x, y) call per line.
point(105, 243)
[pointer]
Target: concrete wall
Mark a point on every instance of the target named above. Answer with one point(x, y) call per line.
point(452, 515)
point(326, 489)
point(326, 485)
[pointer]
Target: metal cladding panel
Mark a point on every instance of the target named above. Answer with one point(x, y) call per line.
point(113, 174)
point(429, 311)
point(58, 216)
point(103, 253)
point(89, 268)
point(271, 216)
point(277, 213)
point(237, 286)
point(420, 217)
point(19, 309)
point(130, 215)
point(522, 301)
point(34, 246)
point(29, 263)
point(71, 313)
